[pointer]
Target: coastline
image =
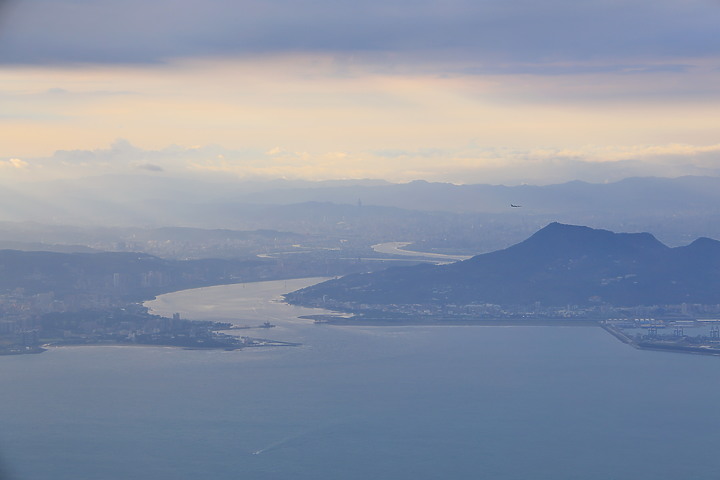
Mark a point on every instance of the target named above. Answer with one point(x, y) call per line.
point(240, 305)
point(254, 343)
point(450, 321)
point(657, 346)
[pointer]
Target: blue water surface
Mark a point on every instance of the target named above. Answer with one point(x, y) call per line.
point(365, 402)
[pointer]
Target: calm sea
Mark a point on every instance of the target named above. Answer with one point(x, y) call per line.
point(360, 403)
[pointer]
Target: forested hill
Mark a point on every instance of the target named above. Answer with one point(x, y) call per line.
point(558, 265)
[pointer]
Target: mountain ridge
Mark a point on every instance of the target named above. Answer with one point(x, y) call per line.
point(560, 264)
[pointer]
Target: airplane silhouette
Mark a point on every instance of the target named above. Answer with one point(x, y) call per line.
point(515, 206)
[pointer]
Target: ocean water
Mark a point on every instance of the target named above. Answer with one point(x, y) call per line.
point(359, 403)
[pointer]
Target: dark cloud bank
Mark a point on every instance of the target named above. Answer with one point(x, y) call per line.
point(488, 34)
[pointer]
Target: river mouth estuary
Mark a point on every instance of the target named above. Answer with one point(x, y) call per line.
point(358, 402)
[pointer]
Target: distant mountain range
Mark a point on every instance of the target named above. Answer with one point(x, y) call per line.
point(558, 265)
point(157, 199)
point(435, 216)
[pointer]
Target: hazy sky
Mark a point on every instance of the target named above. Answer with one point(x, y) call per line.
point(501, 91)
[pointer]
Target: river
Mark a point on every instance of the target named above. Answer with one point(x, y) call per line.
point(397, 248)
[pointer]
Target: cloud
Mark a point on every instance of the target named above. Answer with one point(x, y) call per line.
point(121, 150)
point(483, 34)
point(91, 93)
point(466, 164)
point(151, 167)
point(542, 166)
point(274, 151)
point(461, 165)
point(15, 163)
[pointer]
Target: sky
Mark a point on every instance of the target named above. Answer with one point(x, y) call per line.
point(477, 91)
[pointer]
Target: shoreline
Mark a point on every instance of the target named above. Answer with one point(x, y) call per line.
point(339, 320)
point(659, 347)
point(256, 343)
point(272, 291)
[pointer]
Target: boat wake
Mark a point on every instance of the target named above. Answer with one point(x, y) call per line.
point(291, 440)
point(278, 444)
